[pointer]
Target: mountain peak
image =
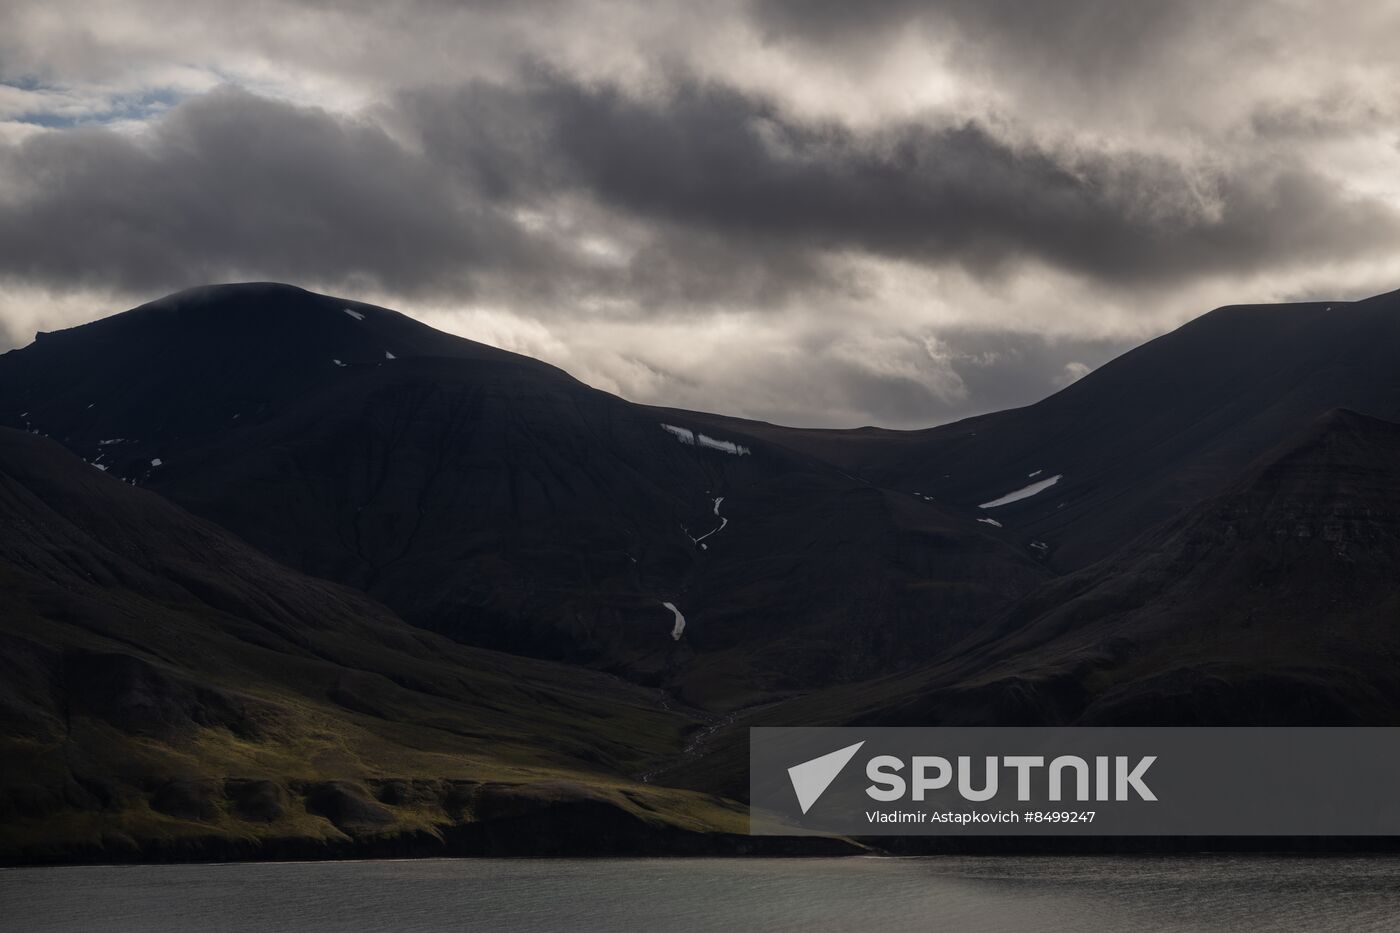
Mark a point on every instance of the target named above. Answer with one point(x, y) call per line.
point(269, 304)
point(123, 389)
point(259, 323)
point(226, 290)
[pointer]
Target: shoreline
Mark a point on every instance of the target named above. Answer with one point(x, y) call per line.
point(710, 847)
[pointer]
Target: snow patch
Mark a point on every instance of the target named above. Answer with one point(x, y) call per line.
point(679, 627)
point(990, 521)
point(684, 435)
point(1034, 475)
point(389, 356)
point(714, 531)
point(109, 442)
point(337, 362)
point(728, 447)
point(1023, 493)
point(354, 314)
point(687, 436)
point(101, 466)
point(156, 462)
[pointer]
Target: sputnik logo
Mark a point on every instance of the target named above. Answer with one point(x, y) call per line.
point(811, 778)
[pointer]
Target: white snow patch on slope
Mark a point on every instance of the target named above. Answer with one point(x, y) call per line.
point(679, 627)
point(389, 356)
point(687, 436)
point(1024, 493)
point(684, 435)
point(337, 362)
point(728, 447)
point(714, 531)
point(156, 462)
point(101, 466)
point(1034, 475)
point(354, 314)
point(990, 521)
point(109, 442)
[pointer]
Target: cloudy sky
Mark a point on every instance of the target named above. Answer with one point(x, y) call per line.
point(815, 212)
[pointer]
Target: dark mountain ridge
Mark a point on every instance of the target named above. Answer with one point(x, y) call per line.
point(1274, 603)
point(1204, 531)
point(181, 368)
point(166, 688)
point(1146, 435)
point(1288, 575)
point(501, 502)
point(497, 500)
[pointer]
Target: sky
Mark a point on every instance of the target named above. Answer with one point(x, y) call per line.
point(816, 212)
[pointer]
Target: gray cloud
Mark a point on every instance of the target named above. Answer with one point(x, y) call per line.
point(1096, 38)
point(230, 185)
point(942, 207)
point(734, 198)
point(712, 158)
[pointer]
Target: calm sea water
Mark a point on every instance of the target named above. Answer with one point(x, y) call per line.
point(876, 895)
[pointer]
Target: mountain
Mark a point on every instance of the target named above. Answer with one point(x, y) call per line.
point(324, 547)
point(499, 501)
point(1274, 603)
point(1131, 444)
point(167, 691)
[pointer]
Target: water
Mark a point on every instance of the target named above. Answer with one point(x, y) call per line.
point(967, 895)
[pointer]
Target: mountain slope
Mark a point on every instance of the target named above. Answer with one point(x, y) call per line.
point(1153, 432)
point(501, 502)
point(1201, 532)
point(191, 365)
point(1274, 603)
point(164, 688)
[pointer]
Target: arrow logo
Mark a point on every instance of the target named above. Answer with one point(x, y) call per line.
point(811, 778)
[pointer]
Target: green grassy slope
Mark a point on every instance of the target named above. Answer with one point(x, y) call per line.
point(167, 691)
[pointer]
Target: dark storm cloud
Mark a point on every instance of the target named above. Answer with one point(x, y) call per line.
point(735, 198)
point(709, 158)
point(917, 210)
point(231, 184)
